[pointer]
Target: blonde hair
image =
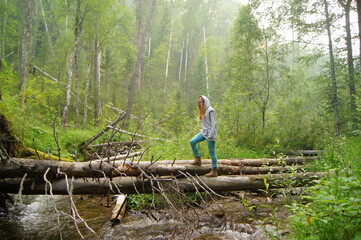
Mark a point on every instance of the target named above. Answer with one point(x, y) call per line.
point(201, 110)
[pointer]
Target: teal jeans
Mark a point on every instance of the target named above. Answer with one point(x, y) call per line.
point(211, 148)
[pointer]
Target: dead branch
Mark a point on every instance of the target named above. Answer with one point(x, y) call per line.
point(136, 135)
point(48, 75)
point(85, 144)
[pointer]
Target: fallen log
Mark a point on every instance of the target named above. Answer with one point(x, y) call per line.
point(125, 143)
point(48, 75)
point(118, 157)
point(136, 185)
point(119, 209)
point(17, 168)
point(247, 162)
point(85, 144)
point(306, 152)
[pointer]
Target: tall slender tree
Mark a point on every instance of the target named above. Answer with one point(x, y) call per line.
point(337, 123)
point(138, 64)
point(97, 62)
point(2, 53)
point(70, 66)
point(79, 18)
point(346, 4)
point(206, 60)
point(169, 49)
point(358, 7)
point(25, 51)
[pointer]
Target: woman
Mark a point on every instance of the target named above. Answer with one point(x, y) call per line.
point(208, 132)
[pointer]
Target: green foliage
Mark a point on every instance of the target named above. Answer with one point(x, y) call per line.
point(156, 201)
point(141, 201)
point(332, 208)
point(333, 212)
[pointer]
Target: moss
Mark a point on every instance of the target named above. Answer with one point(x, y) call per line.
point(11, 145)
point(36, 154)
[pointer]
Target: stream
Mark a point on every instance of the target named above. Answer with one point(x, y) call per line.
point(49, 217)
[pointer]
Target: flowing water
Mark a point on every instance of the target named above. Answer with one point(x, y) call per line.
point(50, 217)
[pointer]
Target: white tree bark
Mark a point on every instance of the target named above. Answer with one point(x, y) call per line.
point(185, 68)
point(68, 88)
point(70, 66)
point(85, 100)
point(46, 28)
point(181, 62)
point(149, 44)
point(168, 53)
point(97, 62)
point(206, 59)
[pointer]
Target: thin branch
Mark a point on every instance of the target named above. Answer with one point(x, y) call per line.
point(135, 135)
point(22, 187)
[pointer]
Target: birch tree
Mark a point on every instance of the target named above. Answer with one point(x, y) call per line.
point(70, 67)
point(97, 62)
point(206, 59)
point(46, 28)
point(169, 50)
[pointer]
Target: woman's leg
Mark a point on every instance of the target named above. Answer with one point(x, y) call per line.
point(212, 152)
point(196, 139)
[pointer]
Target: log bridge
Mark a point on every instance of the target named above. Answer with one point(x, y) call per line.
point(28, 176)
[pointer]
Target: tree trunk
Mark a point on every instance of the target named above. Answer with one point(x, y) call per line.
point(181, 62)
point(34, 33)
point(16, 168)
point(46, 28)
point(185, 71)
point(332, 71)
point(138, 64)
point(136, 185)
point(70, 67)
point(97, 103)
point(64, 120)
point(78, 30)
point(149, 45)
point(264, 102)
point(25, 52)
point(168, 52)
point(358, 5)
point(2, 53)
point(139, 38)
point(85, 100)
point(346, 4)
point(206, 59)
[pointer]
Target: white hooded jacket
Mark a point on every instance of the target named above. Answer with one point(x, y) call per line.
point(208, 123)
